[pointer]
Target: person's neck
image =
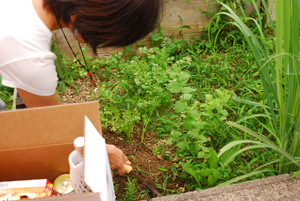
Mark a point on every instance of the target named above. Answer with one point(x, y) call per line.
point(46, 16)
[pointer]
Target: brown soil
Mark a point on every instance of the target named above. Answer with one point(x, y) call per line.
point(144, 162)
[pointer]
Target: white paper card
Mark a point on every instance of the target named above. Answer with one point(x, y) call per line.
point(97, 174)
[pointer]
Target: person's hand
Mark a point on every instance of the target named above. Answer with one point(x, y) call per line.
point(116, 158)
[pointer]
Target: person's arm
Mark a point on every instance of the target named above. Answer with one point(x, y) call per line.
point(116, 158)
point(32, 100)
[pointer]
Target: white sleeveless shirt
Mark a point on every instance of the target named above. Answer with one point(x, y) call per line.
point(26, 61)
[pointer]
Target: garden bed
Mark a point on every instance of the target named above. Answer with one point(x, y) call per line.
point(144, 162)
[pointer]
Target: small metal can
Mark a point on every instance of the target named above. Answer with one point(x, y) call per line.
point(62, 184)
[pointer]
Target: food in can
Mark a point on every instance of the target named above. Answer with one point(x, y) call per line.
point(62, 184)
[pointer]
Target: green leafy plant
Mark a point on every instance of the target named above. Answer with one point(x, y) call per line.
point(138, 89)
point(131, 191)
point(201, 123)
point(64, 71)
point(157, 37)
point(63, 67)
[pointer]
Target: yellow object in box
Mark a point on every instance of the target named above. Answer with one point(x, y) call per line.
point(17, 190)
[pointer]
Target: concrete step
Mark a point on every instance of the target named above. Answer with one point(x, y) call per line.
point(276, 188)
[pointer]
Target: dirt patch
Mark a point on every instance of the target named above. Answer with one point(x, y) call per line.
point(153, 169)
point(144, 163)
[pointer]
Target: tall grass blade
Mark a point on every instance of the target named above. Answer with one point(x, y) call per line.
point(280, 76)
point(254, 173)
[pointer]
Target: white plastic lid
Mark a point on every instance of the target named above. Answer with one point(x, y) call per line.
point(79, 144)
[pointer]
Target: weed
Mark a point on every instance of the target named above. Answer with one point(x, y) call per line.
point(131, 191)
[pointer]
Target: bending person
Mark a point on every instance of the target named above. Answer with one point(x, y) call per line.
point(26, 61)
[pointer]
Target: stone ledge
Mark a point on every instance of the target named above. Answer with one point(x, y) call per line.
point(272, 188)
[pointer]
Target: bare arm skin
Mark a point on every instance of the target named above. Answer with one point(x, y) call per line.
point(116, 158)
point(32, 100)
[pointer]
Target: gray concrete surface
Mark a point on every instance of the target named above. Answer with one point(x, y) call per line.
point(2, 105)
point(276, 188)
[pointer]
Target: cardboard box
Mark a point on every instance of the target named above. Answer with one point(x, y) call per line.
point(36, 143)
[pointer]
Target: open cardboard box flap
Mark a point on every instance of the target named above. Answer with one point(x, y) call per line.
point(36, 143)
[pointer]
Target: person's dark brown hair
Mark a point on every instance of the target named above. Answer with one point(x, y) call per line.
point(108, 22)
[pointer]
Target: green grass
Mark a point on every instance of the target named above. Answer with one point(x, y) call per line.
point(280, 76)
